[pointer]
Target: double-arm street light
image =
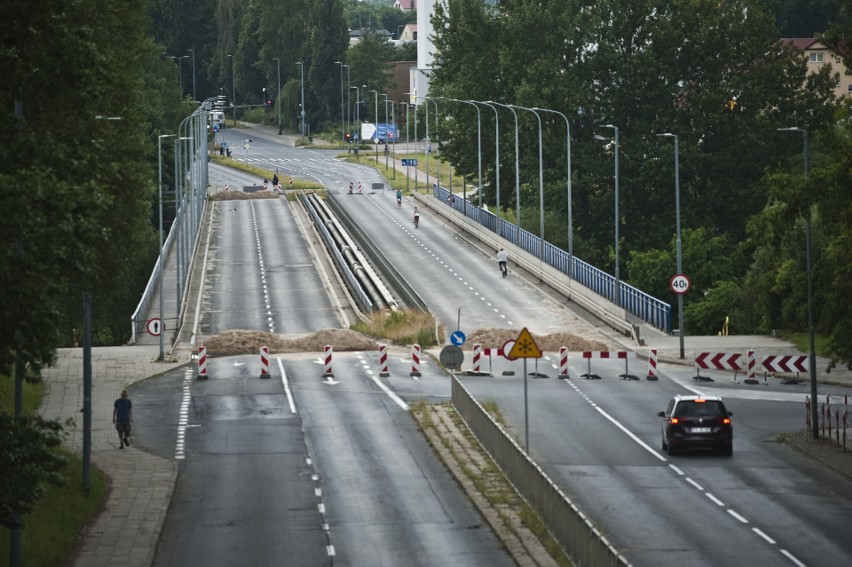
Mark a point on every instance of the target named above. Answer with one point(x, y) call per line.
point(302, 84)
point(540, 183)
point(812, 350)
point(234, 87)
point(278, 93)
point(568, 166)
point(679, 252)
point(617, 279)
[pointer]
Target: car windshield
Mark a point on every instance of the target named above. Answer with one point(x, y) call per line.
point(700, 409)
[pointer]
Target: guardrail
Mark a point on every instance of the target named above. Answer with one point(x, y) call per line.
point(649, 309)
point(583, 543)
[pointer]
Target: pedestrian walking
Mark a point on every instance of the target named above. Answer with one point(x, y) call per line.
point(122, 415)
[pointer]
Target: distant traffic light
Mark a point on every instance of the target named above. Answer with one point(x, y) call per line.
point(348, 136)
point(268, 104)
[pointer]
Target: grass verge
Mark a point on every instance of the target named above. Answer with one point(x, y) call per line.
point(52, 529)
point(402, 327)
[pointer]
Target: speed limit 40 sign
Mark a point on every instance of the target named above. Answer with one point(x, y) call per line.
point(679, 283)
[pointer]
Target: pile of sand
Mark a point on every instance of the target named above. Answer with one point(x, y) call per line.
point(235, 342)
point(495, 338)
point(240, 196)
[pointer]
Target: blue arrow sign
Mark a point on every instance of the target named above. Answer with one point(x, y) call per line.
point(457, 338)
point(412, 162)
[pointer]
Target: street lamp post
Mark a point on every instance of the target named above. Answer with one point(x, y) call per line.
point(570, 213)
point(678, 249)
point(407, 176)
point(342, 114)
point(162, 259)
point(193, 73)
point(429, 143)
point(348, 100)
point(180, 73)
point(302, 84)
point(396, 137)
point(278, 93)
point(617, 280)
point(387, 129)
point(478, 141)
point(376, 122)
point(497, 160)
point(540, 183)
point(234, 87)
point(517, 169)
point(812, 351)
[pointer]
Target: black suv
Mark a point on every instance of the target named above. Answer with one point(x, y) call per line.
point(697, 421)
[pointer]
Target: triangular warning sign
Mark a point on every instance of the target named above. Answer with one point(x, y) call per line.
point(525, 346)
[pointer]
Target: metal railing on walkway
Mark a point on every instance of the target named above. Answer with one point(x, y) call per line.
point(649, 309)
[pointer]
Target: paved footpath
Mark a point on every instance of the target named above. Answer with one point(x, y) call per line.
point(127, 531)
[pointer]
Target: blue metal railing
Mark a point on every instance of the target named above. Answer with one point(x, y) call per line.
point(653, 311)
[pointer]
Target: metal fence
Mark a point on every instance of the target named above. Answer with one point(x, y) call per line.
point(584, 544)
point(653, 311)
point(833, 420)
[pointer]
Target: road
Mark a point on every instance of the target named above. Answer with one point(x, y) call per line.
point(348, 467)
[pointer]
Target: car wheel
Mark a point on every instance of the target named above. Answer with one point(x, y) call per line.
point(671, 450)
point(728, 451)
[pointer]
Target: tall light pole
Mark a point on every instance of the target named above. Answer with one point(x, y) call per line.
point(302, 84)
point(517, 169)
point(497, 160)
point(396, 138)
point(234, 87)
point(387, 129)
point(540, 183)
point(193, 73)
point(570, 213)
point(376, 122)
point(679, 252)
point(348, 100)
point(278, 93)
point(812, 352)
point(617, 280)
point(180, 73)
point(357, 102)
point(478, 140)
point(162, 259)
point(342, 114)
point(429, 143)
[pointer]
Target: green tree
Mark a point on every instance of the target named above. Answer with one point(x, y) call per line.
point(28, 462)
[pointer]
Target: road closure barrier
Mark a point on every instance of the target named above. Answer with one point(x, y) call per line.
point(383, 361)
point(328, 350)
point(415, 360)
point(264, 362)
point(202, 363)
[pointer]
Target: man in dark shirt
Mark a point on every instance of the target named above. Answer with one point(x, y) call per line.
point(122, 415)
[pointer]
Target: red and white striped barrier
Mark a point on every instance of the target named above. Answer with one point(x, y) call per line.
point(751, 369)
point(477, 357)
point(351, 186)
point(359, 186)
point(652, 364)
point(383, 361)
point(603, 354)
point(717, 361)
point(563, 362)
point(202, 363)
point(328, 351)
point(264, 362)
point(415, 360)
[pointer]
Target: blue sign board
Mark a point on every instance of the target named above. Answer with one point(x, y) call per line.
point(411, 162)
point(457, 338)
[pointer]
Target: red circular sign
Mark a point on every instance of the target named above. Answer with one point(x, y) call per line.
point(507, 348)
point(679, 283)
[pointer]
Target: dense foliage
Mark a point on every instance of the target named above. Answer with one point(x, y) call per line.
point(712, 73)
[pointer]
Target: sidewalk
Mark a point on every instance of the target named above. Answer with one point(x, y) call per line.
point(127, 531)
